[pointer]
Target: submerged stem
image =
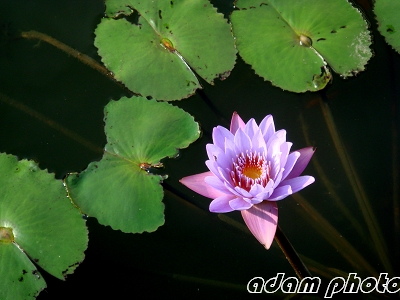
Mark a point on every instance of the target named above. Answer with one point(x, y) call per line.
point(359, 192)
point(291, 254)
point(329, 185)
point(32, 34)
point(333, 236)
point(70, 51)
point(51, 123)
point(294, 259)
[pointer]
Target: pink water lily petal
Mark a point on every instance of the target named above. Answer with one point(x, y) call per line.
point(298, 183)
point(255, 200)
point(212, 166)
point(256, 189)
point(278, 178)
point(274, 148)
point(251, 168)
point(285, 149)
point(217, 154)
point(217, 184)
point(302, 161)
point(236, 123)
point(275, 167)
point(221, 204)
point(240, 204)
point(251, 128)
point(280, 135)
point(229, 148)
point(262, 220)
point(242, 141)
point(268, 127)
point(197, 184)
point(264, 195)
point(219, 172)
point(268, 190)
point(233, 191)
point(281, 192)
point(224, 174)
point(213, 151)
point(258, 142)
point(243, 192)
point(290, 163)
point(219, 134)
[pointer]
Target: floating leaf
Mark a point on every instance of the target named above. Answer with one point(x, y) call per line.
point(38, 222)
point(387, 14)
point(173, 39)
point(290, 43)
point(116, 8)
point(118, 190)
point(19, 277)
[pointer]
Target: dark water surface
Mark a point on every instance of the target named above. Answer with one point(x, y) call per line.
point(195, 254)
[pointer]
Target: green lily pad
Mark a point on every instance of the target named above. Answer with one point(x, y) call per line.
point(291, 42)
point(20, 278)
point(38, 222)
point(172, 42)
point(119, 190)
point(387, 15)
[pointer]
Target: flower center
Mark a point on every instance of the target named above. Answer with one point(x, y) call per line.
point(252, 171)
point(250, 168)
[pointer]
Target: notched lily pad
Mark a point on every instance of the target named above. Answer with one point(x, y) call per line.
point(173, 42)
point(293, 43)
point(20, 278)
point(37, 222)
point(387, 15)
point(119, 190)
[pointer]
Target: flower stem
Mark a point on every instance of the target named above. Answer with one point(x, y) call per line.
point(295, 261)
point(332, 236)
point(49, 122)
point(291, 254)
point(359, 192)
point(35, 35)
point(70, 51)
point(332, 191)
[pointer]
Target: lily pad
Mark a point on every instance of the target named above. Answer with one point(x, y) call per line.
point(172, 43)
point(39, 223)
point(20, 278)
point(120, 190)
point(387, 15)
point(291, 43)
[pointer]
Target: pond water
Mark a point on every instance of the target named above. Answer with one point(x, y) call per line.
point(354, 123)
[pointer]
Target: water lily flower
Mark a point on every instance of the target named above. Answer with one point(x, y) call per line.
point(250, 168)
